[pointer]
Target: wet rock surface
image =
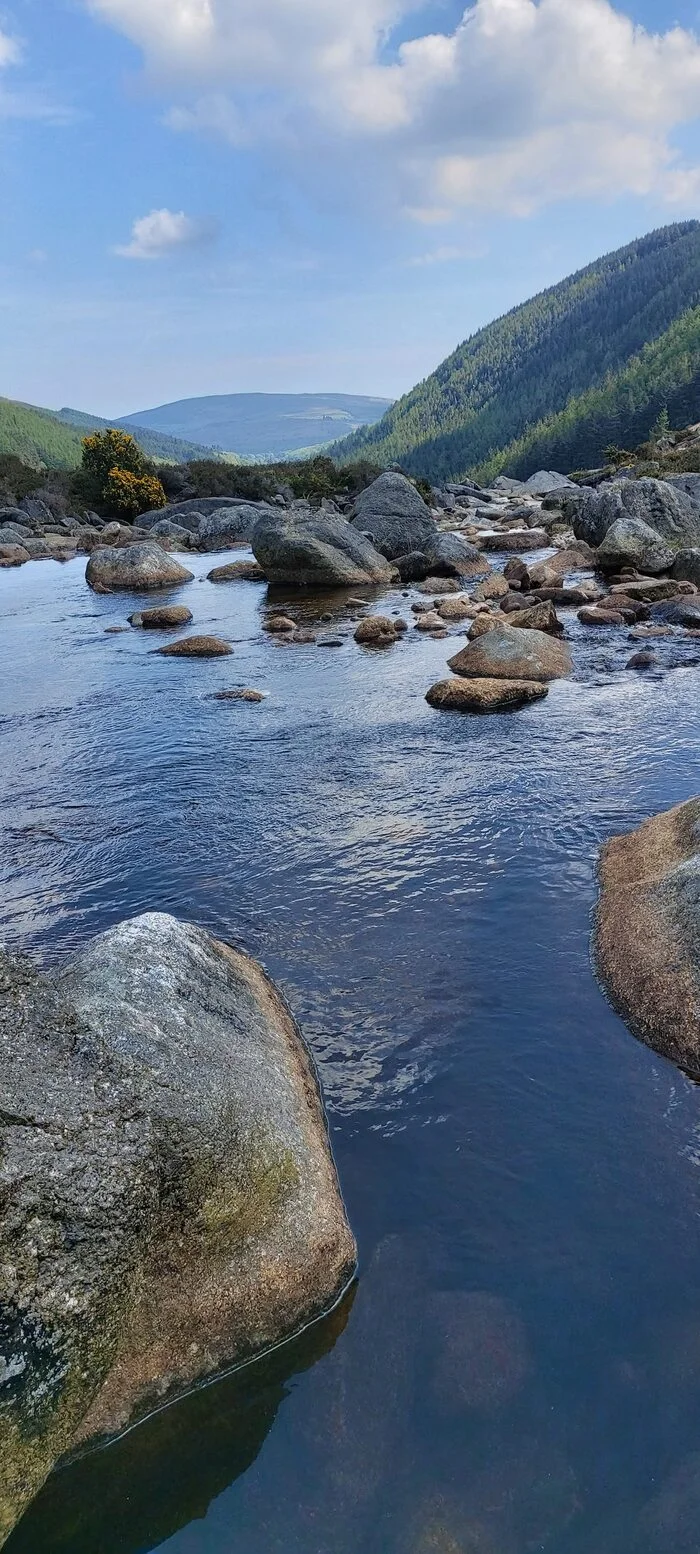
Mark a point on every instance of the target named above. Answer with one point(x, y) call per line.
point(136, 567)
point(164, 1157)
point(484, 695)
point(507, 654)
point(648, 931)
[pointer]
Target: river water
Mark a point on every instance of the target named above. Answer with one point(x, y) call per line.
point(518, 1367)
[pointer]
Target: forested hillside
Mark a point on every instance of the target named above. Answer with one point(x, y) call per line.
point(36, 437)
point(588, 363)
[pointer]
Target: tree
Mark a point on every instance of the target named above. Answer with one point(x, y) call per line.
point(661, 427)
point(113, 449)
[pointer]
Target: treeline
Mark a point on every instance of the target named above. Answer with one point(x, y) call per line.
point(561, 377)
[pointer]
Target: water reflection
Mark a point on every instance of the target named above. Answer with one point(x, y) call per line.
point(521, 1367)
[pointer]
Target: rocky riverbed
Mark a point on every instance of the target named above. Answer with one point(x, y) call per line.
point(420, 888)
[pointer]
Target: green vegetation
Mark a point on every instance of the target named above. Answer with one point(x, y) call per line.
point(36, 437)
point(116, 477)
point(590, 362)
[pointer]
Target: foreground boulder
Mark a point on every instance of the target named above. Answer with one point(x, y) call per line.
point(449, 555)
point(134, 567)
point(484, 695)
point(648, 931)
point(394, 514)
point(316, 550)
point(507, 654)
point(168, 1200)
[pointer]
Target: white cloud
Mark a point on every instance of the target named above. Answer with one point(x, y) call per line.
point(163, 232)
point(449, 253)
point(525, 102)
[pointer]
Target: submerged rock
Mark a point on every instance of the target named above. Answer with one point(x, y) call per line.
point(396, 517)
point(316, 550)
point(140, 566)
point(239, 694)
point(648, 931)
point(484, 695)
point(482, 1356)
point(508, 654)
point(168, 1200)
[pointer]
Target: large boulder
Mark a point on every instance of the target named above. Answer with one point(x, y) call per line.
point(547, 480)
point(189, 514)
point(686, 565)
point(449, 555)
point(231, 526)
point(169, 1204)
point(507, 654)
point(134, 567)
point(629, 542)
point(316, 550)
point(395, 515)
point(666, 509)
point(648, 931)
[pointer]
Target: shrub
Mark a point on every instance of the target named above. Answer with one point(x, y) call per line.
point(126, 495)
point(113, 449)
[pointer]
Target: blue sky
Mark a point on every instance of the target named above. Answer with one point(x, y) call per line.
point(208, 196)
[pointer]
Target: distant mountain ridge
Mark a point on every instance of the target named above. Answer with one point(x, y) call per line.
point(261, 425)
point(588, 363)
point(156, 445)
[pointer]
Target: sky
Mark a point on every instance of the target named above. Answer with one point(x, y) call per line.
point(218, 196)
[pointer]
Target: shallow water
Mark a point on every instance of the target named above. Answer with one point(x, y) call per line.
point(421, 886)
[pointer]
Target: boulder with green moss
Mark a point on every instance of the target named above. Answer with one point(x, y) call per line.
point(169, 1204)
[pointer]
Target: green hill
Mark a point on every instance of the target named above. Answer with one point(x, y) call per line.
point(588, 363)
point(37, 437)
point(261, 426)
point(55, 439)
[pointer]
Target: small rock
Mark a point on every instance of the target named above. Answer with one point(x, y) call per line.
point(162, 617)
point(275, 623)
point(429, 622)
point(484, 695)
point(376, 631)
point(493, 587)
point(645, 659)
point(590, 615)
point(439, 585)
point(12, 555)
point(303, 635)
point(196, 647)
point(541, 617)
point(456, 610)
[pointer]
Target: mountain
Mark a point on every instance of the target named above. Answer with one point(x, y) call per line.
point(586, 364)
point(156, 445)
point(262, 425)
